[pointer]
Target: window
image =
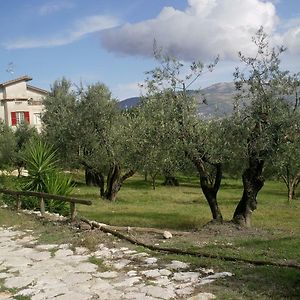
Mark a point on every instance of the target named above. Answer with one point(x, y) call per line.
point(19, 117)
point(37, 118)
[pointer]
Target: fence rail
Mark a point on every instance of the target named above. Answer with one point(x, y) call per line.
point(43, 196)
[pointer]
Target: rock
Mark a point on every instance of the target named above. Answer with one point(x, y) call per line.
point(203, 296)
point(151, 260)
point(167, 235)
point(177, 265)
point(84, 226)
point(151, 273)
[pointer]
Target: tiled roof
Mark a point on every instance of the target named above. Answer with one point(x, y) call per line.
point(23, 78)
point(31, 87)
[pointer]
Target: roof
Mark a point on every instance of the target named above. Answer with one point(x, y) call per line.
point(23, 78)
point(34, 88)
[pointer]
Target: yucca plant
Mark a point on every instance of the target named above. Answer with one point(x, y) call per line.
point(44, 176)
point(40, 161)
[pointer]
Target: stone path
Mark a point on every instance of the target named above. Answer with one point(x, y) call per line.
point(57, 272)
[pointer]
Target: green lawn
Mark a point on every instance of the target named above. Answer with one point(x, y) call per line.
point(184, 207)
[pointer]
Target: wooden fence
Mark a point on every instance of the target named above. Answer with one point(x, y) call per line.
point(43, 196)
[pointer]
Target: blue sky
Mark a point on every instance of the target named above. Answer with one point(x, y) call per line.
point(111, 40)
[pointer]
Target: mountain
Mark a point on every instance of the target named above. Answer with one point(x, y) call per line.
point(219, 98)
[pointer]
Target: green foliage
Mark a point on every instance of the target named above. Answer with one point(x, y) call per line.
point(7, 146)
point(60, 122)
point(40, 162)
point(43, 175)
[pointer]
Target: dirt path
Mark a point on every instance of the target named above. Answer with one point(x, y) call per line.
point(58, 272)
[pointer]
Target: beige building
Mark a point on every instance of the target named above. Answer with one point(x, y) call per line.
point(21, 102)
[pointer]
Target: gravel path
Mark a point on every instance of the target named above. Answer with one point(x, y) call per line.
point(57, 272)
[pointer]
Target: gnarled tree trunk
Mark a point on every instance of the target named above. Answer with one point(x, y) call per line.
point(253, 181)
point(209, 186)
point(115, 181)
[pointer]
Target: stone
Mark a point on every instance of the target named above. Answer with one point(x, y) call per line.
point(165, 272)
point(17, 282)
point(158, 292)
point(151, 273)
point(151, 260)
point(108, 274)
point(127, 282)
point(167, 235)
point(186, 276)
point(85, 226)
point(175, 264)
point(86, 267)
point(121, 264)
point(61, 253)
point(203, 296)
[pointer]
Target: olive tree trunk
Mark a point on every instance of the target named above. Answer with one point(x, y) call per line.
point(210, 184)
point(115, 181)
point(253, 181)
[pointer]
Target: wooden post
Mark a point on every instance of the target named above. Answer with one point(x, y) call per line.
point(18, 204)
point(73, 211)
point(42, 206)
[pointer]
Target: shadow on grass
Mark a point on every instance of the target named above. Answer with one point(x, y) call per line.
point(145, 219)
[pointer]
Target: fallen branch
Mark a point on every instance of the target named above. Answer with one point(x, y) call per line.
point(134, 241)
point(133, 229)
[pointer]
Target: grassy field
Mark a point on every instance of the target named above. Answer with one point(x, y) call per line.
point(184, 207)
point(275, 235)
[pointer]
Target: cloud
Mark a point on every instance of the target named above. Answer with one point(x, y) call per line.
point(201, 31)
point(54, 6)
point(80, 29)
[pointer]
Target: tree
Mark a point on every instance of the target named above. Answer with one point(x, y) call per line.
point(107, 139)
point(59, 121)
point(7, 146)
point(23, 134)
point(285, 161)
point(167, 82)
point(258, 125)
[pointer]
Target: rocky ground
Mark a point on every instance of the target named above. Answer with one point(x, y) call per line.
point(53, 271)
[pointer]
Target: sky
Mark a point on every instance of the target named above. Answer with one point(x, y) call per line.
point(111, 41)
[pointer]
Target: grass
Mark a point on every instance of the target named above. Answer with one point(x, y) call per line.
point(185, 207)
point(275, 235)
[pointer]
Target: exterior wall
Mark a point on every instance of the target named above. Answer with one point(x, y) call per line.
point(2, 117)
point(16, 90)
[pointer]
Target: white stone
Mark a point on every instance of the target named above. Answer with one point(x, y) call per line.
point(121, 264)
point(158, 292)
point(17, 282)
point(203, 296)
point(167, 235)
point(108, 274)
point(61, 253)
point(86, 268)
point(127, 282)
point(175, 264)
point(186, 276)
point(151, 260)
point(165, 272)
point(46, 247)
point(151, 273)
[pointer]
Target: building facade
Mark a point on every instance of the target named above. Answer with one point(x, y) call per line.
point(21, 102)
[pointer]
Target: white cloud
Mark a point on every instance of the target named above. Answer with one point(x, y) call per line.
point(80, 29)
point(201, 31)
point(54, 6)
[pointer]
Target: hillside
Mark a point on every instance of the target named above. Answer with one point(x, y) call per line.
point(219, 98)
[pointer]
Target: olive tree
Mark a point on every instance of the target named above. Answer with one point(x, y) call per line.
point(186, 130)
point(258, 124)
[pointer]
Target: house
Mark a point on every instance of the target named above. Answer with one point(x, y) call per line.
point(21, 102)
